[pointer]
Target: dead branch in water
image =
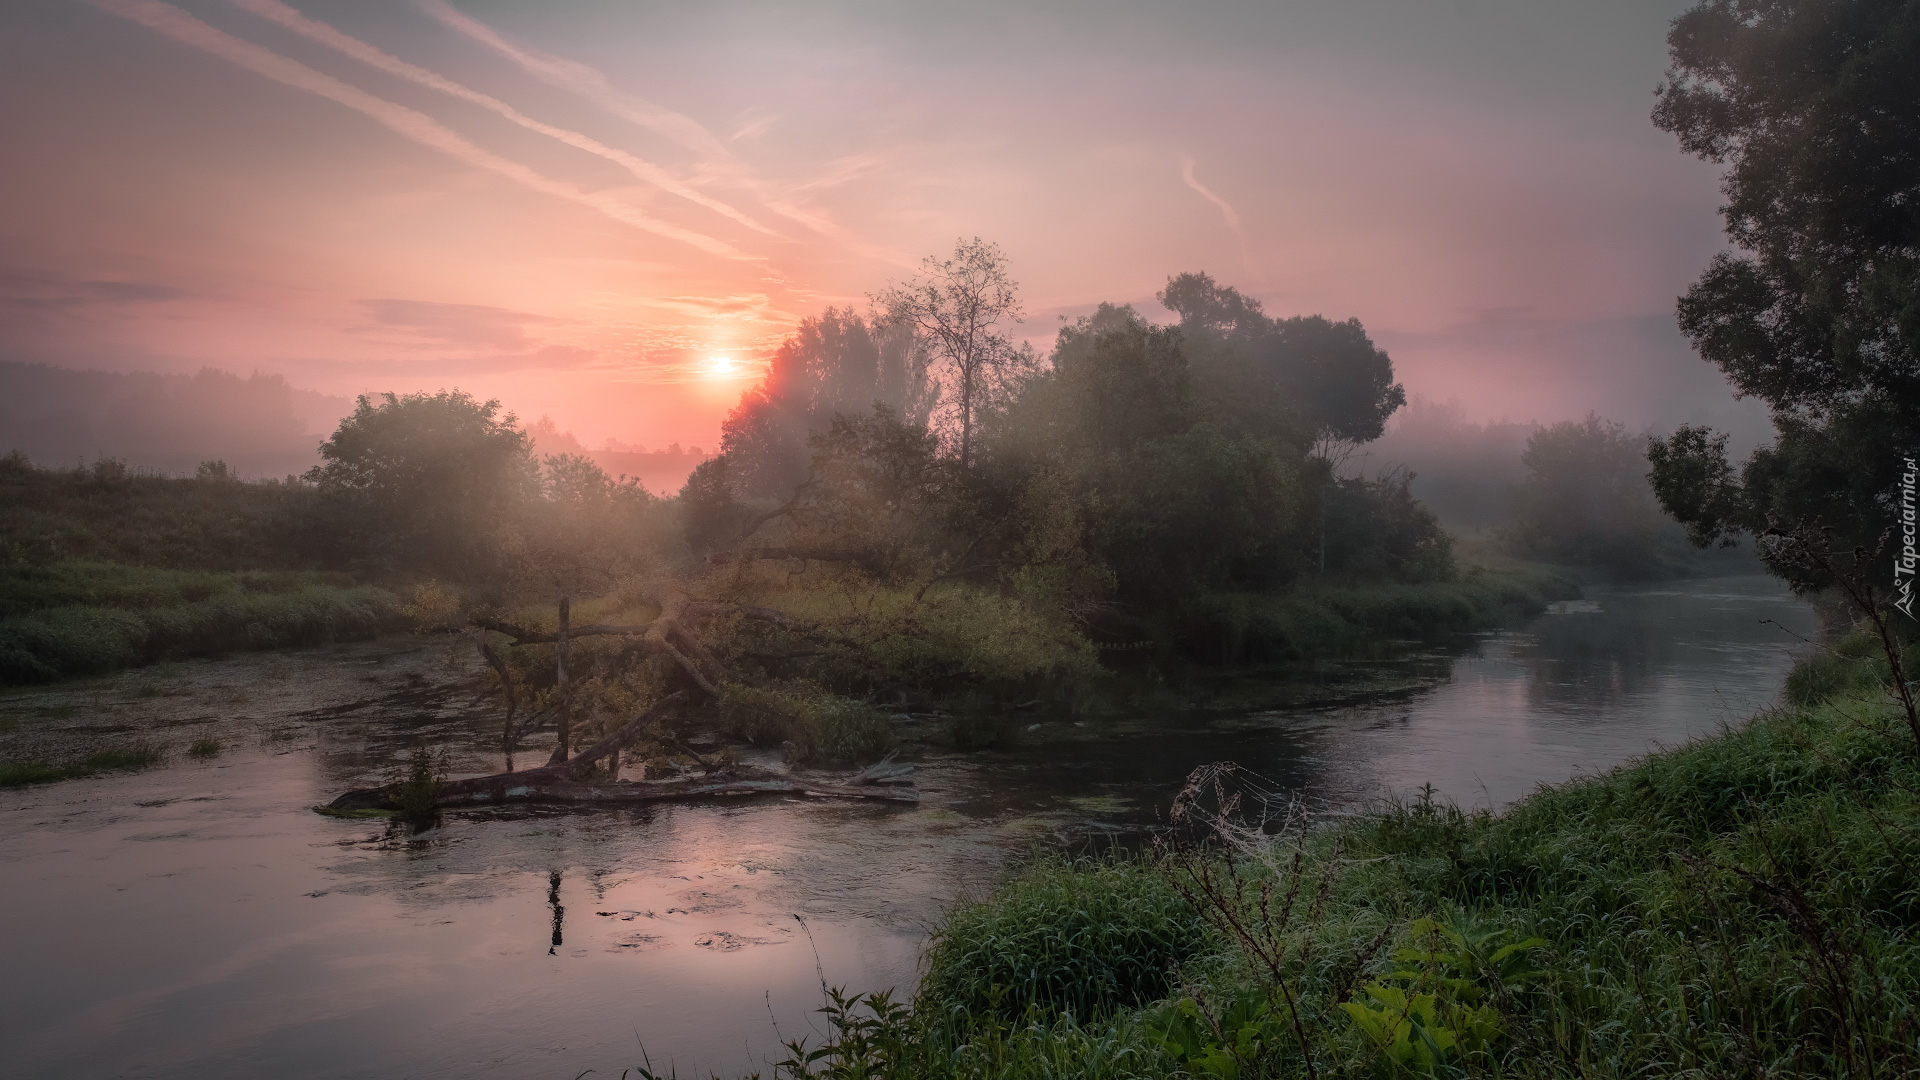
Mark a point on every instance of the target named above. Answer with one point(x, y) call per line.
point(559, 784)
point(567, 776)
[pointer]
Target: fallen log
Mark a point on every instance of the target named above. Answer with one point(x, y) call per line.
point(553, 784)
point(568, 778)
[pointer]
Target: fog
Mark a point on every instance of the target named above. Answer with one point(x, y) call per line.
point(261, 426)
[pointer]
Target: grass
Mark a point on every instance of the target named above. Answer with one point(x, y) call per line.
point(1745, 905)
point(120, 759)
point(108, 513)
point(206, 747)
point(1083, 938)
point(103, 568)
point(78, 619)
point(1320, 620)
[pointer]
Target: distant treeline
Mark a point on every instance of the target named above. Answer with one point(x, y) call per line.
point(258, 424)
point(659, 471)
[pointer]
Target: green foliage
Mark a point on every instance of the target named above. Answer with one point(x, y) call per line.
point(868, 1039)
point(1375, 530)
point(1223, 1042)
point(1174, 487)
point(585, 531)
point(1437, 1007)
point(1304, 378)
point(425, 481)
point(1230, 628)
point(106, 513)
point(83, 619)
point(1085, 938)
point(813, 725)
point(833, 365)
point(118, 759)
point(1814, 109)
point(417, 784)
point(1585, 500)
point(1851, 669)
point(206, 747)
point(1748, 901)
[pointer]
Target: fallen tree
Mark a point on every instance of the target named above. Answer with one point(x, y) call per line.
point(571, 778)
point(558, 784)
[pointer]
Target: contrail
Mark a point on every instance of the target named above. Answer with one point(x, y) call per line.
point(583, 80)
point(587, 82)
point(417, 126)
point(1226, 209)
point(367, 54)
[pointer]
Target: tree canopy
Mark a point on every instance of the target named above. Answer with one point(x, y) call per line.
point(1306, 377)
point(428, 478)
point(1814, 106)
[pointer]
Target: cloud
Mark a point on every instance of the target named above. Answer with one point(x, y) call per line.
point(409, 123)
point(464, 325)
point(646, 171)
point(45, 292)
point(586, 82)
point(589, 83)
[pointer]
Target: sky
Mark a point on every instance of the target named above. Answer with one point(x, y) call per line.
point(611, 213)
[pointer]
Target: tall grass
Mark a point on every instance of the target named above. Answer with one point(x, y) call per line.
point(118, 759)
point(1229, 627)
point(71, 619)
point(1084, 939)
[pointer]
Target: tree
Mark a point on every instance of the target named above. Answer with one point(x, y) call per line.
point(956, 306)
point(1166, 499)
point(1585, 499)
point(833, 365)
point(429, 481)
point(1814, 106)
point(1305, 379)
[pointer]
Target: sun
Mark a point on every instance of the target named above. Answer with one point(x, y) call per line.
point(720, 367)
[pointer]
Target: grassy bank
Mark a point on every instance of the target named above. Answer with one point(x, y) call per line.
point(122, 759)
point(71, 618)
point(1746, 905)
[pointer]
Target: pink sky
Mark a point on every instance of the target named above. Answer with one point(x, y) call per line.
point(575, 206)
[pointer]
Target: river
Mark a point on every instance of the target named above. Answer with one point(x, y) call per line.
point(197, 920)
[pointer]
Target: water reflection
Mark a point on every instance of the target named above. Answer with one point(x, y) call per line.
point(198, 921)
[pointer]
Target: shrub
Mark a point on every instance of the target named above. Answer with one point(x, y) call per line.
point(814, 725)
point(1085, 938)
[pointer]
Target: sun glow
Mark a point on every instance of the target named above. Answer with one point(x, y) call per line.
point(721, 367)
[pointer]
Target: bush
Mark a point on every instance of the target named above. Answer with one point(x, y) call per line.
point(1854, 668)
point(1085, 938)
point(815, 726)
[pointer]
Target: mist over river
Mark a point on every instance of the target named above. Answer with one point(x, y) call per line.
point(197, 920)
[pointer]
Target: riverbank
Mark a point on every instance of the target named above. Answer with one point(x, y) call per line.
point(1747, 903)
point(252, 937)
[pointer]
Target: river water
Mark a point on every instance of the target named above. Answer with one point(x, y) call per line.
point(196, 920)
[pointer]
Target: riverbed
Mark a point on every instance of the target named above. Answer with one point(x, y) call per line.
point(198, 920)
